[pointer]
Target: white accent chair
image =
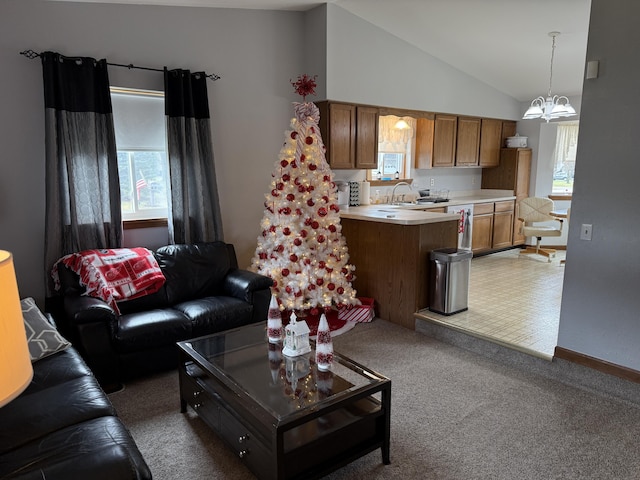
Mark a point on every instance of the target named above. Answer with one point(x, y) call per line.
point(532, 211)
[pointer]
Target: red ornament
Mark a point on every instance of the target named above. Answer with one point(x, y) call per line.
point(308, 140)
point(275, 193)
point(305, 85)
point(285, 272)
point(301, 188)
point(272, 229)
point(297, 242)
point(283, 163)
point(310, 188)
point(311, 287)
point(313, 167)
point(344, 270)
point(331, 286)
point(286, 177)
point(280, 249)
point(322, 264)
point(303, 233)
point(297, 181)
point(294, 135)
point(302, 157)
point(322, 212)
point(340, 290)
point(298, 211)
point(319, 282)
point(332, 228)
point(310, 202)
point(280, 186)
point(315, 225)
point(286, 211)
point(326, 178)
point(286, 231)
point(325, 199)
point(293, 257)
point(321, 238)
point(288, 289)
point(291, 197)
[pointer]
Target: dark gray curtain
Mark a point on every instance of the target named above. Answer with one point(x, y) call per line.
point(195, 208)
point(82, 187)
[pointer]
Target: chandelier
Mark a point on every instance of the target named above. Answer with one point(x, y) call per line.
point(554, 106)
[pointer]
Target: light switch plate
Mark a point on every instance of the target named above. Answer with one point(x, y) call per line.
point(585, 231)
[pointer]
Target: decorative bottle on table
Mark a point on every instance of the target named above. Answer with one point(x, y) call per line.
point(274, 321)
point(324, 345)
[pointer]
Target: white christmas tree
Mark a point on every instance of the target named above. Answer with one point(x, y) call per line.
point(301, 246)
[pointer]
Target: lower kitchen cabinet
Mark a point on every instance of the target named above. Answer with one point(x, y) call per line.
point(492, 225)
point(482, 232)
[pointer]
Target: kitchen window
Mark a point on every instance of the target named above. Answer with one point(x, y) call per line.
point(564, 157)
point(141, 139)
point(395, 148)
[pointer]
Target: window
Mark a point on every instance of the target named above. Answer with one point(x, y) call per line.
point(395, 147)
point(564, 157)
point(139, 122)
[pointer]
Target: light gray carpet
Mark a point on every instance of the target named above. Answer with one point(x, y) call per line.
point(456, 415)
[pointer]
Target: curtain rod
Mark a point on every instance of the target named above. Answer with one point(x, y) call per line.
point(31, 55)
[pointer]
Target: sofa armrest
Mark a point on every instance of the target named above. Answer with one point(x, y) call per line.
point(243, 284)
point(81, 309)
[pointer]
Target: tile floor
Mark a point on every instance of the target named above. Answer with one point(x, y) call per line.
point(514, 300)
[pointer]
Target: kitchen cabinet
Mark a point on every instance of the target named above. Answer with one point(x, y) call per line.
point(350, 134)
point(467, 142)
point(492, 226)
point(509, 129)
point(513, 173)
point(490, 142)
point(366, 137)
point(503, 218)
point(444, 140)
point(423, 157)
point(482, 231)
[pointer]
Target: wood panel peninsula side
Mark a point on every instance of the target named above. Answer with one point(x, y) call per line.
point(390, 248)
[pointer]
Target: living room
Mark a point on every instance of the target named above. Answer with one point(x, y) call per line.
point(257, 53)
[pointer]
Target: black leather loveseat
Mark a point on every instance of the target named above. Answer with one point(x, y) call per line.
point(205, 292)
point(63, 427)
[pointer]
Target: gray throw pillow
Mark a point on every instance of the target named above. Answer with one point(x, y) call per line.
point(43, 338)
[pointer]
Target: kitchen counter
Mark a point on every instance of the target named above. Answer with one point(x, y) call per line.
point(415, 214)
point(396, 214)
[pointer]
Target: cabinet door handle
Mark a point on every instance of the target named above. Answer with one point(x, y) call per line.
point(243, 438)
point(243, 453)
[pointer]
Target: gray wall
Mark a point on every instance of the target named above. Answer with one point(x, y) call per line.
point(600, 313)
point(256, 53)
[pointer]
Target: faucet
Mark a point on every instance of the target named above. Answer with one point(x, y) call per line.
point(393, 192)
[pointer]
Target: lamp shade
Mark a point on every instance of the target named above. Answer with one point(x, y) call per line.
point(15, 363)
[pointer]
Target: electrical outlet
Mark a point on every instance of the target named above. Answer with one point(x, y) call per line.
point(585, 232)
point(432, 183)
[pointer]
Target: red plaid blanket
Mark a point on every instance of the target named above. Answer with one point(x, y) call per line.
point(115, 274)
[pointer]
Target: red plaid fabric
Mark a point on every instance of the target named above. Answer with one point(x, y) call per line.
point(114, 275)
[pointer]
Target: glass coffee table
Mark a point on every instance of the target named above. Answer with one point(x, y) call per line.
point(284, 418)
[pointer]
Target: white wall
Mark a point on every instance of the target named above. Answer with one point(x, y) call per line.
point(368, 65)
point(600, 313)
point(256, 52)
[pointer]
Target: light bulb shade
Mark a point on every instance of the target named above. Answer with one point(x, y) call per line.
point(15, 363)
point(401, 125)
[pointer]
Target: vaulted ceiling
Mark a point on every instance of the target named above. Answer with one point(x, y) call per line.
point(504, 43)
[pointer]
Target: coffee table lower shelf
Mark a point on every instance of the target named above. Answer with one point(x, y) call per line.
point(309, 445)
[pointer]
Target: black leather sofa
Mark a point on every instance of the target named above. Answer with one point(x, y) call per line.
point(205, 292)
point(63, 427)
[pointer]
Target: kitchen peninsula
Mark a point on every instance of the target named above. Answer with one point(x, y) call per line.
point(390, 248)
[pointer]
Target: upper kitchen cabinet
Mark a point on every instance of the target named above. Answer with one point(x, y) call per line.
point(468, 142)
point(509, 129)
point(350, 134)
point(444, 140)
point(366, 137)
point(338, 129)
point(425, 125)
point(490, 142)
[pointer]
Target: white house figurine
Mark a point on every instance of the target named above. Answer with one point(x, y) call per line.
point(296, 338)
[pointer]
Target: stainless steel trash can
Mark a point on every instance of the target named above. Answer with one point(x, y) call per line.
point(449, 285)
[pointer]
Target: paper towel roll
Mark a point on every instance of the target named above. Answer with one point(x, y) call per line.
point(365, 193)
